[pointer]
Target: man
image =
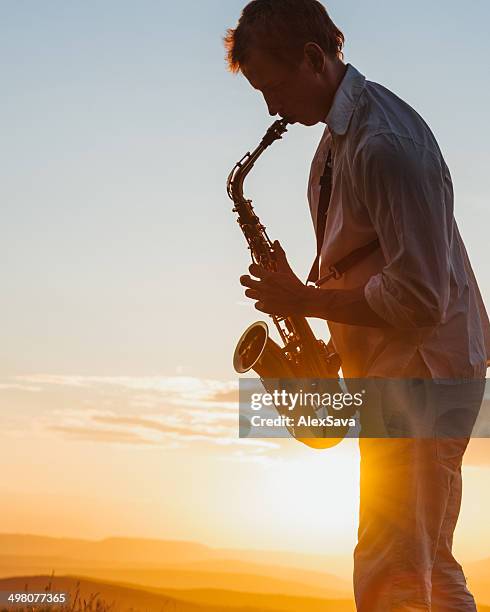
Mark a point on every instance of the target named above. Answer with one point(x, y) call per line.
point(409, 308)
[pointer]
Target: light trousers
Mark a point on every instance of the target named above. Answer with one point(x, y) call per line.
point(410, 498)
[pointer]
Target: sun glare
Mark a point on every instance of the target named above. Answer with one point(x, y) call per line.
point(312, 491)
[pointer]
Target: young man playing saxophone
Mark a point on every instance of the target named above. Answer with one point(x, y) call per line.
point(409, 309)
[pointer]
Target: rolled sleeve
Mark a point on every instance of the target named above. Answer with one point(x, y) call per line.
point(408, 193)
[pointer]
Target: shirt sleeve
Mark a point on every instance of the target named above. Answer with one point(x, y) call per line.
point(407, 191)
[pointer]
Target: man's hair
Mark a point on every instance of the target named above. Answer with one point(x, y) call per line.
point(282, 27)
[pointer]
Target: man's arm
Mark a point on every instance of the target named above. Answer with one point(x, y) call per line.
point(407, 191)
point(342, 306)
point(282, 293)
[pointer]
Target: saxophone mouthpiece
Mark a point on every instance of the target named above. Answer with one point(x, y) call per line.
point(275, 132)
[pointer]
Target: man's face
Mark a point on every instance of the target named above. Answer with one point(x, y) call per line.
point(291, 91)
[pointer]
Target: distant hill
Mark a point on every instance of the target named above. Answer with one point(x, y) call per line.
point(194, 571)
point(134, 563)
point(318, 579)
point(266, 603)
point(170, 578)
point(123, 598)
point(226, 575)
point(135, 551)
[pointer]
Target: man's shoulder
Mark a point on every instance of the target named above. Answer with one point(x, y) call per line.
point(382, 121)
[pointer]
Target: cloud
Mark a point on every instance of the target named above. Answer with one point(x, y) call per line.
point(185, 386)
point(18, 387)
point(176, 411)
point(226, 396)
point(171, 412)
point(101, 435)
point(165, 426)
point(171, 437)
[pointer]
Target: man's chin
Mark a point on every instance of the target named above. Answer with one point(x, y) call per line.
point(307, 122)
point(304, 121)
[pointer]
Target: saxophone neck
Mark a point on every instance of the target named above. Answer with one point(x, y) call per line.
point(246, 163)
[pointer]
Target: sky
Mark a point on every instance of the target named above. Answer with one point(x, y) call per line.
point(121, 258)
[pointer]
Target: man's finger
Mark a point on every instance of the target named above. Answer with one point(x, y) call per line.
point(277, 247)
point(258, 271)
point(252, 293)
point(246, 281)
point(280, 258)
point(261, 306)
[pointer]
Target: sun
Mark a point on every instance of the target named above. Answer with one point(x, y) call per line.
point(313, 496)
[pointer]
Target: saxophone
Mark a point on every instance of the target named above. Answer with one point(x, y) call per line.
point(302, 354)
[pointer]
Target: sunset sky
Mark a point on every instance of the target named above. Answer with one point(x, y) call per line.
point(121, 304)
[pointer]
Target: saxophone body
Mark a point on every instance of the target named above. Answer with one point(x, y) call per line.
point(302, 354)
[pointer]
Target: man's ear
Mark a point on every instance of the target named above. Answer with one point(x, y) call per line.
point(315, 56)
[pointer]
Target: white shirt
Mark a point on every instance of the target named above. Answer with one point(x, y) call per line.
point(390, 181)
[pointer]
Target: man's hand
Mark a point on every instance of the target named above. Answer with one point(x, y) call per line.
point(277, 293)
point(282, 293)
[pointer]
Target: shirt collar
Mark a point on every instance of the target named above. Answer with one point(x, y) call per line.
point(345, 101)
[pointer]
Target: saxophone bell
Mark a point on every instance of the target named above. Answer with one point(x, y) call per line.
point(258, 352)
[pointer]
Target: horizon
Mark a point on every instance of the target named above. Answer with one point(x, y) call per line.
point(197, 543)
point(192, 570)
